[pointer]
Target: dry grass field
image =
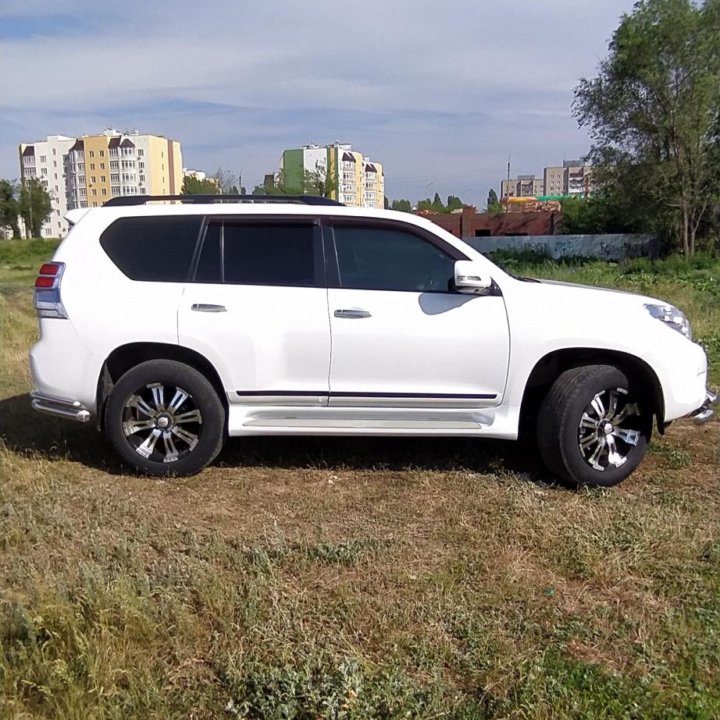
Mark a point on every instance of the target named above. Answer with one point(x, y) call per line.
point(346, 578)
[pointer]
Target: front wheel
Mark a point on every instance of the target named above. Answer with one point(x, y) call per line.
point(594, 426)
point(165, 418)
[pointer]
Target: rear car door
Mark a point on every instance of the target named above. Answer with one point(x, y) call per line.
point(258, 309)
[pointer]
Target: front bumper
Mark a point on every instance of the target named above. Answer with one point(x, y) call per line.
point(705, 411)
point(69, 409)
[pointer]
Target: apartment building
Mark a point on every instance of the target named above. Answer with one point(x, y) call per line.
point(45, 160)
point(87, 171)
point(353, 178)
point(521, 186)
point(573, 177)
point(114, 164)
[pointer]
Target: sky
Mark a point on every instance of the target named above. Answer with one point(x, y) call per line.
point(441, 93)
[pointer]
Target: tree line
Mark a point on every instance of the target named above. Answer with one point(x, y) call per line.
point(29, 202)
point(653, 113)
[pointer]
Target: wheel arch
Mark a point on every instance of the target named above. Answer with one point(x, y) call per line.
point(125, 357)
point(552, 365)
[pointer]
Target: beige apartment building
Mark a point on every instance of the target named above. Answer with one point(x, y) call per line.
point(88, 170)
point(114, 164)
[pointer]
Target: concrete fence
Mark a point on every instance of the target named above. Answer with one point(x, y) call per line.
point(603, 247)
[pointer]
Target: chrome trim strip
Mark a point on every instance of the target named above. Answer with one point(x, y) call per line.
point(420, 401)
point(434, 396)
point(301, 398)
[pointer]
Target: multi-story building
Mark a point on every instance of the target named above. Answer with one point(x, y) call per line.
point(45, 160)
point(578, 177)
point(87, 171)
point(572, 178)
point(115, 164)
point(554, 180)
point(521, 186)
point(350, 177)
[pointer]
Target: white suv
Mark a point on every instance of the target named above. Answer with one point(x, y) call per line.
point(177, 324)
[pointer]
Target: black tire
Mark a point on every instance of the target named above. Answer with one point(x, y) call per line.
point(165, 433)
point(574, 440)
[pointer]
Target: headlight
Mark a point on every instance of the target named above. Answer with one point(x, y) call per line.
point(671, 316)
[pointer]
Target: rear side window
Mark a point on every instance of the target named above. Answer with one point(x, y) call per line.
point(158, 248)
point(259, 253)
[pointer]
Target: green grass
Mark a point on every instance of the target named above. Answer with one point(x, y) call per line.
point(20, 260)
point(312, 578)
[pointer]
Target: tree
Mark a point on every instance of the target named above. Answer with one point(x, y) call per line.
point(318, 182)
point(35, 206)
point(194, 186)
point(402, 205)
point(454, 203)
point(227, 182)
point(493, 204)
point(651, 111)
point(437, 204)
point(272, 185)
point(9, 210)
point(315, 182)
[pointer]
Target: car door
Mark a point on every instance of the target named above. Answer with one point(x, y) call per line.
point(401, 335)
point(258, 310)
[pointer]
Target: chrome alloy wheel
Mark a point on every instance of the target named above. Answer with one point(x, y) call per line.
point(606, 435)
point(162, 422)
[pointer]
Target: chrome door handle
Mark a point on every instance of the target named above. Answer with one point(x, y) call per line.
point(353, 313)
point(208, 307)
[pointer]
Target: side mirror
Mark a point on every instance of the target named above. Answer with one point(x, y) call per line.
point(471, 277)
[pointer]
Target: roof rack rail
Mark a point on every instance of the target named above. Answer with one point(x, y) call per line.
point(212, 199)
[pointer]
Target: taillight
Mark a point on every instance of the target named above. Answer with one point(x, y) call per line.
point(46, 298)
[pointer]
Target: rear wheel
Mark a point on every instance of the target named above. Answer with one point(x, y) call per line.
point(594, 426)
point(165, 418)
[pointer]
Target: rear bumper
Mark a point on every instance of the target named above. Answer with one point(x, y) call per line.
point(705, 412)
point(68, 409)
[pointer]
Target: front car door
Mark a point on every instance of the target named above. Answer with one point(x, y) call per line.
point(402, 337)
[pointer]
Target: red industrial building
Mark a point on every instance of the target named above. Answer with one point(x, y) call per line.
point(471, 223)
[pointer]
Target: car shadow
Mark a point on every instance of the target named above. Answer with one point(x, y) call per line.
point(32, 434)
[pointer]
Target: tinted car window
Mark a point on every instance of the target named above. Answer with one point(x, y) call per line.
point(156, 248)
point(386, 259)
point(209, 269)
point(269, 253)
